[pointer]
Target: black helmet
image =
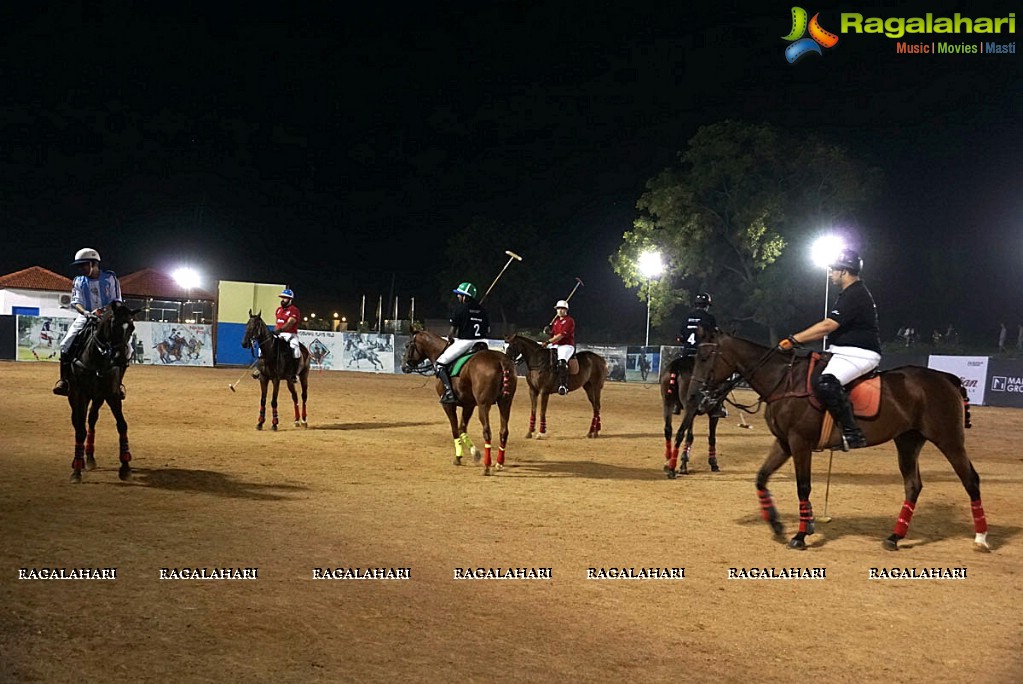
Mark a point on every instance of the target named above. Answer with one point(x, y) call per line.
point(847, 260)
point(703, 300)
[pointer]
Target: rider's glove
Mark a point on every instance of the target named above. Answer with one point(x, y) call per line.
point(787, 343)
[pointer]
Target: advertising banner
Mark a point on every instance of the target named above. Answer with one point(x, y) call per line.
point(643, 364)
point(1004, 383)
point(971, 369)
point(369, 352)
point(615, 357)
point(39, 337)
point(173, 344)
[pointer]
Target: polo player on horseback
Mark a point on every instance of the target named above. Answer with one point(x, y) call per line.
point(469, 324)
point(855, 347)
point(288, 317)
point(91, 292)
point(563, 341)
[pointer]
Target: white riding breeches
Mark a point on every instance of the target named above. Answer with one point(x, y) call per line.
point(849, 363)
point(564, 351)
point(454, 350)
point(292, 339)
point(72, 332)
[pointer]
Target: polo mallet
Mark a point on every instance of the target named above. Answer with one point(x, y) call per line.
point(512, 257)
point(578, 282)
point(827, 489)
point(742, 415)
point(247, 371)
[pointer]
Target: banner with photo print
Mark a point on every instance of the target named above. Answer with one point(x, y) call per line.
point(39, 337)
point(369, 352)
point(172, 344)
point(616, 358)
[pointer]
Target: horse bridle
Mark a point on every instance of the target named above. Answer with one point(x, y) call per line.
point(423, 365)
point(721, 390)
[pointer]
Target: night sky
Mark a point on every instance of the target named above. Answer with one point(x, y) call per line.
point(334, 147)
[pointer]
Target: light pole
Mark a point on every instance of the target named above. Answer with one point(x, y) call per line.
point(650, 266)
point(823, 252)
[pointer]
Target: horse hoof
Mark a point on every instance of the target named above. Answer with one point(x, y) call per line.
point(486, 470)
point(76, 477)
point(90, 463)
point(124, 472)
point(529, 435)
point(982, 547)
point(713, 463)
point(274, 428)
point(457, 461)
point(541, 435)
point(499, 467)
point(591, 435)
point(476, 456)
point(305, 423)
point(298, 423)
point(670, 473)
point(797, 544)
point(891, 544)
point(777, 528)
point(259, 426)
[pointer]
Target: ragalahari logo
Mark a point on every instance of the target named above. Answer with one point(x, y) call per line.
point(803, 46)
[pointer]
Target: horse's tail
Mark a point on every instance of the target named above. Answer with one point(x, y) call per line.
point(505, 390)
point(966, 404)
point(958, 383)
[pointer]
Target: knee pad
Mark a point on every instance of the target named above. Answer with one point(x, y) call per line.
point(827, 386)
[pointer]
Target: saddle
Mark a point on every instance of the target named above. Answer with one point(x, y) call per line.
point(864, 396)
point(573, 362)
point(456, 367)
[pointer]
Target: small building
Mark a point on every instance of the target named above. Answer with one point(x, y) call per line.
point(35, 291)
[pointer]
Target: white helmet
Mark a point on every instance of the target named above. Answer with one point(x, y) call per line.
point(562, 304)
point(86, 254)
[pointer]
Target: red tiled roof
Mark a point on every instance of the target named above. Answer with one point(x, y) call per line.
point(152, 283)
point(36, 278)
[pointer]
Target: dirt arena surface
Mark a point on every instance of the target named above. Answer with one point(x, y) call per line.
point(371, 484)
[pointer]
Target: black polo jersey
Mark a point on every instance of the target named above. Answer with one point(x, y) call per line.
point(856, 315)
point(470, 321)
point(694, 320)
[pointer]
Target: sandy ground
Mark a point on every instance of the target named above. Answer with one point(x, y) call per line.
point(371, 484)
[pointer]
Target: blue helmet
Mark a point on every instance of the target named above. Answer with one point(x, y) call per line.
point(287, 294)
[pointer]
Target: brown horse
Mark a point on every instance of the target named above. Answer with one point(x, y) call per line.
point(487, 378)
point(96, 377)
point(543, 379)
point(276, 354)
point(917, 405)
point(674, 381)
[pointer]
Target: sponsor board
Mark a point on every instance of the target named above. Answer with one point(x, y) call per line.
point(972, 370)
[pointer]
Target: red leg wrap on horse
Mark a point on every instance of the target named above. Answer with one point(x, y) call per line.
point(673, 461)
point(905, 515)
point(90, 443)
point(486, 455)
point(712, 452)
point(667, 450)
point(805, 516)
point(766, 503)
point(532, 421)
point(979, 521)
point(500, 454)
point(79, 461)
point(543, 425)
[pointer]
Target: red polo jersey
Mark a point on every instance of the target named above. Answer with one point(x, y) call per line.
point(284, 314)
point(564, 326)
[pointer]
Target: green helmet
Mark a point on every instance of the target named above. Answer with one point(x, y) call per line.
point(467, 289)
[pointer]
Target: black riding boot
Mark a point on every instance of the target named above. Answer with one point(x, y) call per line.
point(293, 364)
point(562, 377)
point(833, 396)
point(449, 393)
point(62, 387)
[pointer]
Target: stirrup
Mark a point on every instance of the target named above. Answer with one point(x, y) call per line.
point(853, 439)
point(62, 388)
point(448, 398)
point(563, 390)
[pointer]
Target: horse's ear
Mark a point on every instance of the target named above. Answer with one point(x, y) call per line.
point(250, 313)
point(259, 314)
